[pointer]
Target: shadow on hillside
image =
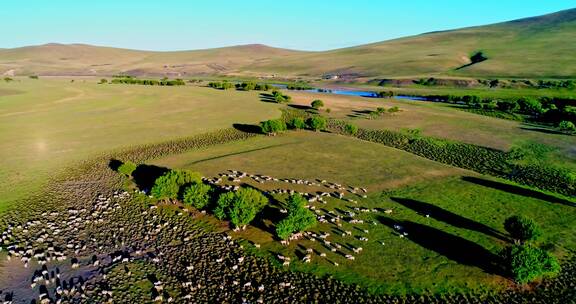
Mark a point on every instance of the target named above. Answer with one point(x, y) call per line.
point(517, 190)
point(448, 217)
point(145, 175)
point(248, 128)
point(451, 246)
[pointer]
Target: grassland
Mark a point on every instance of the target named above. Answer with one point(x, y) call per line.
point(48, 124)
point(444, 121)
point(466, 215)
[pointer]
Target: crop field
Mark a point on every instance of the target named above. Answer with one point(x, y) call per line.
point(48, 124)
point(460, 215)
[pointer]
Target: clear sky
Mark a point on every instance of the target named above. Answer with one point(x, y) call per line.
point(296, 24)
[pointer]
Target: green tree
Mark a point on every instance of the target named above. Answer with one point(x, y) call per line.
point(299, 217)
point(522, 228)
point(197, 195)
point(297, 123)
point(317, 104)
point(509, 106)
point(350, 129)
point(168, 186)
point(567, 127)
point(525, 263)
point(240, 207)
point(127, 168)
point(530, 106)
point(317, 123)
point(273, 126)
point(103, 81)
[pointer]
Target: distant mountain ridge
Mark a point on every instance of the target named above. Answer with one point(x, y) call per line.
point(542, 46)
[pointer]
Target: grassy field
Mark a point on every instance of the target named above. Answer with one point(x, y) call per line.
point(466, 211)
point(47, 124)
point(444, 121)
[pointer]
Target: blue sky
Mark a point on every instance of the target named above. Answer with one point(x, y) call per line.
point(295, 24)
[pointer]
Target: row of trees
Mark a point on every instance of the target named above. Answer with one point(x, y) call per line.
point(543, 109)
point(152, 82)
point(224, 85)
point(239, 207)
point(275, 126)
point(249, 86)
point(524, 261)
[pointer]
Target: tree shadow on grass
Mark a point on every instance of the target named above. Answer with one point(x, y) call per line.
point(248, 128)
point(449, 217)
point(145, 175)
point(267, 97)
point(114, 164)
point(451, 246)
point(543, 130)
point(517, 190)
point(301, 107)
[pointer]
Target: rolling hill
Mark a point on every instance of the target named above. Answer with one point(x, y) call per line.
point(542, 46)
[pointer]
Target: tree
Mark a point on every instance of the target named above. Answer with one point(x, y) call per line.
point(240, 207)
point(317, 104)
point(197, 195)
point(273, 126)
point(317, 123)
point(299, 217)
point(297, 123)
point(103, 81)
point(522, 228)
point(567, 127)
point(525, 263)
point(350, 129)
point(127, 168)
point(280, 98)
point(530, 106)
point(509, 106)
point(168, 185)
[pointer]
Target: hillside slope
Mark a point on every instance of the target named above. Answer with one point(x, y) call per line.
point(541, 46)
point(81, 59)
point(533, 47)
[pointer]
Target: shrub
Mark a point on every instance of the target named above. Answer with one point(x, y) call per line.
point(297, 123)
point(525, 263)
point(103, 81)
point(317, 104)
point(350, 129)
point(168, 185)
point(280, 98)
point(240, 207)
point(33, 76)
point(567, 127)
point(127, 168)
point(273, 126)
point(317, 123)
point(394, 109)
point(299, 218)
point(197, 195)
point(522, 228)
point(328, 110)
